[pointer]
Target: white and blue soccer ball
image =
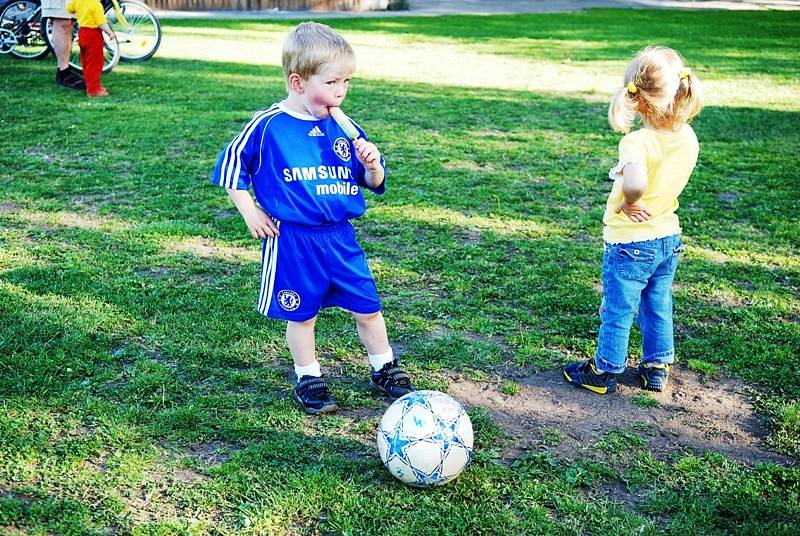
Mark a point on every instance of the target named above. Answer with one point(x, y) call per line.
point(425, 439)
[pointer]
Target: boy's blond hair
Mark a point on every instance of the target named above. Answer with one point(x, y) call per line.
point(659, 88)
point(310, 46)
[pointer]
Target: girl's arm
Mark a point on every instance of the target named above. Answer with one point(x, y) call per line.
point(634, 185)
point(107, 29)
point(634, 182)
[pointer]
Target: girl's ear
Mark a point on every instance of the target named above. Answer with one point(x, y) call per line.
point(296, 83)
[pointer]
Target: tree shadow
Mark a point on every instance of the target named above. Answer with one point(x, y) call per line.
point(709, 39)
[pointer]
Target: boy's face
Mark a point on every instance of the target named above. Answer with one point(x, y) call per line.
point(326, 88)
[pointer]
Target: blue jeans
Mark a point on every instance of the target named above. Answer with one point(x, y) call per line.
point(637, 275)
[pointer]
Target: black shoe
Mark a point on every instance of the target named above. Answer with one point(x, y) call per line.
point(313, 394)
point(654, 378)
point(392, 380)
point(584, 374)
point(70, 78)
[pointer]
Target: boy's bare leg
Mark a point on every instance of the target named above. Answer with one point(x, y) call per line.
point(386, 375)
point(310, 391)
point(300, 337)
point(372, 332)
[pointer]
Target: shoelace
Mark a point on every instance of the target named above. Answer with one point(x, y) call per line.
point(317, 388)
point(395, 375)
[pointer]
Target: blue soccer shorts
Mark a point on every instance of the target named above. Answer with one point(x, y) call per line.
point(307, 268)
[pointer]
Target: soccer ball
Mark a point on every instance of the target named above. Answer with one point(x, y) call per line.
point(425, 439)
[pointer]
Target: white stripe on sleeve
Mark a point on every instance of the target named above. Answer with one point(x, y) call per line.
point(232, 163)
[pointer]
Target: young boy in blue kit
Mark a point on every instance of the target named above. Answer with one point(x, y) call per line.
point(307, 176)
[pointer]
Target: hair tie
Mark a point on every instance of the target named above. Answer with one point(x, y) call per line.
point(632, 88)
point(684, 73)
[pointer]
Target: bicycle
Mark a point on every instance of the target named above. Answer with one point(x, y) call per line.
point(137, 28)
point(20, 30)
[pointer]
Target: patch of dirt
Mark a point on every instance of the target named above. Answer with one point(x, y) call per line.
point(207, 249)
point(728, 197)
point(91, 203)
point(212, 452)
point(466, 165)
point(692, 413)
point(491, 133)
point(224, 214)
point(39, 151)
point(468, 236)
point(11, 531)
point(615, 491)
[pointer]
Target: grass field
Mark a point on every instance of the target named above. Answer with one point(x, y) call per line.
point(141, 393)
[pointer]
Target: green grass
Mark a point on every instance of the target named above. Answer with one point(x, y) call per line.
point(510, 388)
point(142, 394)
point(703, 367)
point(644, 400)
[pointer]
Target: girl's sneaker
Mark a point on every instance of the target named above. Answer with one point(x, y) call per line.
point(392, 380)
point(313, 394)
point(654, 378)
point(585, 374)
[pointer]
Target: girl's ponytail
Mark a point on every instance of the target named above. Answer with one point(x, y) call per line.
point(622, 110)
point(659, 89)
point(689, 98)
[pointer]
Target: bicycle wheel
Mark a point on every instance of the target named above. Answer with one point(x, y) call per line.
point(23, 19)
point(138, 30)
point(110, 52)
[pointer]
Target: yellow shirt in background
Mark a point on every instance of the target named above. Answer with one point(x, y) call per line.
point(89, 12)
point(669, 158)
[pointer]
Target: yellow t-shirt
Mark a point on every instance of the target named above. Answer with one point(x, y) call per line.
point(90, 12)
point(669, 158)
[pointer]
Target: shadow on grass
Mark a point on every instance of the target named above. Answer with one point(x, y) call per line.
point(487, 249)
point(494, 206)
point(709, 39)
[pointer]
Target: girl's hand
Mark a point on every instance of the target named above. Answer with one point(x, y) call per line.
point(635, 211)
point(368, 154)
point(260, 224)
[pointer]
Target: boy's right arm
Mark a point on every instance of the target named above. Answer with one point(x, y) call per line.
point(258, 222)
point(233, 172)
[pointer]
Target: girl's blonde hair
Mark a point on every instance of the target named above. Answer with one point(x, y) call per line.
point(659, 88)
point(310, 46)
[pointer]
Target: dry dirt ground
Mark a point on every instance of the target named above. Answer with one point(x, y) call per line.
point(694, 414)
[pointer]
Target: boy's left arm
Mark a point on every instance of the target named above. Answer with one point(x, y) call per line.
point(370, 157)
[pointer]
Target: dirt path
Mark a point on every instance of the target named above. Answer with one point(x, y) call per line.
point(693, 413)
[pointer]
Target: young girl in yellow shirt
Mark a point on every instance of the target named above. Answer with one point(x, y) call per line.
point(642, 232)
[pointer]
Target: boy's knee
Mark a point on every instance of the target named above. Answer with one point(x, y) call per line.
point(366, 317)
point(305, 323)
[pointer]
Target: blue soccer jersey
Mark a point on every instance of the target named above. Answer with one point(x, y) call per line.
point(302, 169)
point(305, 174)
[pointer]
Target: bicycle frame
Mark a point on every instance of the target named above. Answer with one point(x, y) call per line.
point(120, 16)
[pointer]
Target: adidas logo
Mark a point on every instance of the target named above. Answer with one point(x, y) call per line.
point(315, 132)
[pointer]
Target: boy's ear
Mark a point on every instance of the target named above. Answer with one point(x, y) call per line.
point(296, 83)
